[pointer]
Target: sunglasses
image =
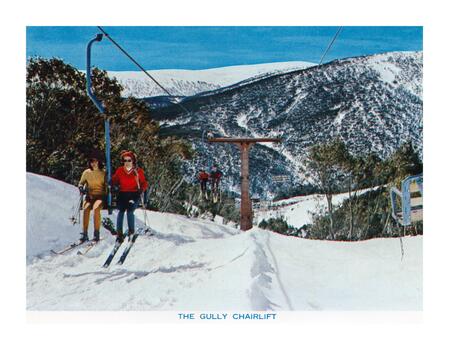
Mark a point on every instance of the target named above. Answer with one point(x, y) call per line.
point(127, 160)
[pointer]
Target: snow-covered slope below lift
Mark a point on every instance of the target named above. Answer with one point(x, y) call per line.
point(200, 265)
point(183, 82)
point(298, 211)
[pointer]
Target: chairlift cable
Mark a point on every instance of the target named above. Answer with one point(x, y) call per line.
point(141, 68)
point(284, 143)
point(324, 54)
point(330, 45)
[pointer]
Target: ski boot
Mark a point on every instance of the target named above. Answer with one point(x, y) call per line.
point(84, 237)
point(96, 236)
point(130, 235)
point(120, 237)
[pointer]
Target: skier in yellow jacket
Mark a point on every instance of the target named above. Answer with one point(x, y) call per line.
point(94, 179)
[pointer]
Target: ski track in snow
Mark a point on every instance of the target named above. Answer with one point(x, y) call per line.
point(264, 269)
point(194, 264)
point(276, 268)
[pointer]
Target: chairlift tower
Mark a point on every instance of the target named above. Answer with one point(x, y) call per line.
point(244, 144)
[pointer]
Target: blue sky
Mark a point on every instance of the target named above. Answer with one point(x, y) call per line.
point(210, 47)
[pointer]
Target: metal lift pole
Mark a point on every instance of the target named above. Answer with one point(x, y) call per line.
point(101, 108)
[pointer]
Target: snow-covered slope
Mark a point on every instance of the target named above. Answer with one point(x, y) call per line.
point(298, 211)
point(200, 265)
point(183, 82)
point(50, 204)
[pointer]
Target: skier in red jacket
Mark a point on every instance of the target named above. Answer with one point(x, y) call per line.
point(215, 176)
point(132, 183)
point(203, 177)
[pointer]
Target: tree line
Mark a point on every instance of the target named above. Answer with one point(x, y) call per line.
point(366, 179)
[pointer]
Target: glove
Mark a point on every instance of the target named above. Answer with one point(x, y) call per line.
point(82, 190)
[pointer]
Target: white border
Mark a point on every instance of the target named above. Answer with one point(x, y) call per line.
point(400, 330)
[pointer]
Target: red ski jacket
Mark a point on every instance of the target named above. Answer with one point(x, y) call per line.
point(128, 180)
point(216, 174)
point(203, 176)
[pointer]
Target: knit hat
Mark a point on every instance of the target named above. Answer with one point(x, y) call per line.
point(130, 154)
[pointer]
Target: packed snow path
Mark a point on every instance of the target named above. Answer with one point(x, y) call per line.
point(200, 265)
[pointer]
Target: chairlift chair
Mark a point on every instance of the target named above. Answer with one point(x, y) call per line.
point(407, 203)
point(280, 178)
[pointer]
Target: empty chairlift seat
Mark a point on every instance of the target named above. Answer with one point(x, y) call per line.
point(280, 178)
point(407, 203)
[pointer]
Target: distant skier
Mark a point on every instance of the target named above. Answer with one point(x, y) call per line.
point(203, 178)
point(215, 176)
point(94, 179)
point(132, 183)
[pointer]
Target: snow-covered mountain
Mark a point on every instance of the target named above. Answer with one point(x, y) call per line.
point(183, 82)
point(194, 264)
point(372, 103)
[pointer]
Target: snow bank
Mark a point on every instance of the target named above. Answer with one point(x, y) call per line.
point(50, 204)
point(192, 264)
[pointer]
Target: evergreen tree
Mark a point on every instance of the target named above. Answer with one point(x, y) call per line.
point(279, 225)
point(325, 164)
point(402, 163)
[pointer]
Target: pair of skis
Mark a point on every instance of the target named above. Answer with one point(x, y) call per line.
point(109, 225)
point(215, 196)
point(117, 245)
point(68, 248)
point(90, 245)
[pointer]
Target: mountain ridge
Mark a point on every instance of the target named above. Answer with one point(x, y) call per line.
point(184, 82)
